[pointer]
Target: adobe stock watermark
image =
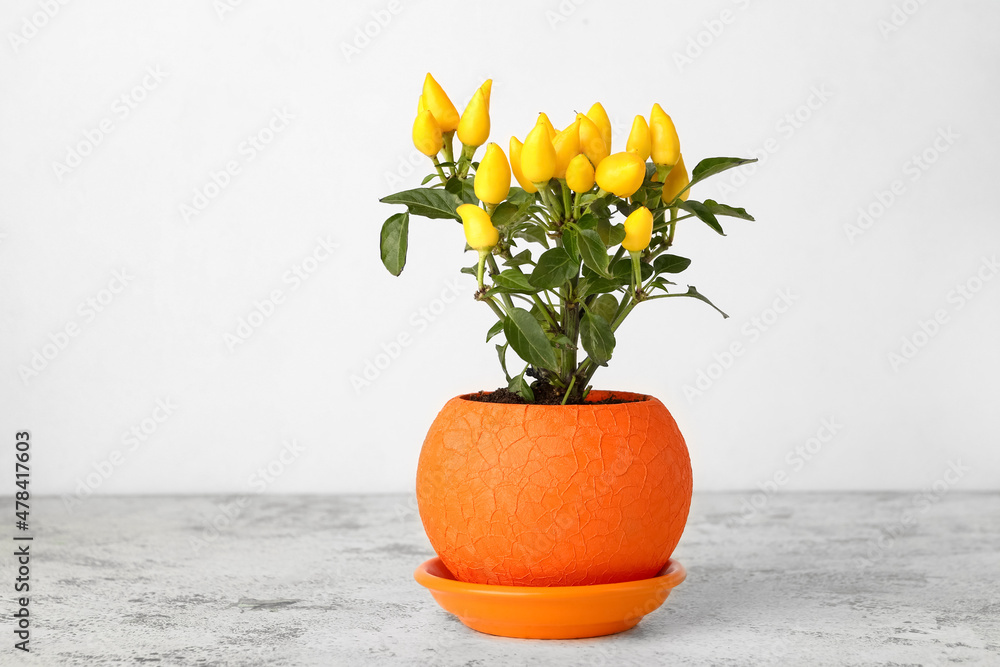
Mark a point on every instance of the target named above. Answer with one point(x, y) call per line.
point(419, 321)
point(34, 23)
point(228, 513)
point(562, 12)
point(712, 30)
point(132, 439)
point(920, 504)
point(913, 170)
point(794, 461)
point(87, 311)
point(121, 109)
point(225, 7)
point(957, 299)
point(407, 167)
point(899, 16)
point(296, 276)
point(750, 332)
point(785, 128)
point(247, 151)
point(370, 29)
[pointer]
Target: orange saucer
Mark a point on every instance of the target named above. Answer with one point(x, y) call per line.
point(549, 612)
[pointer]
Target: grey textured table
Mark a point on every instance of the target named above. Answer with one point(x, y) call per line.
point(805, 581)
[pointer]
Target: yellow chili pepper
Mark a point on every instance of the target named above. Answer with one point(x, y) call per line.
point(638, 138)
point(676, 181)
point(435, 99)
point(538, 157)
point(515, 166)
point(486, 89)
point(591, 140)
point(665, 147)
point(542, 118)
point(480, 233)
point(601, 120)
point(621, 174)
point(427, 134)
point(474, 126)
point(638, 230)
point(492, 181)
point(567, 146)
point(580, 174)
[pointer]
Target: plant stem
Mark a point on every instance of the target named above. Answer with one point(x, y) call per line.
point(440, 171)
point(494, 269)
point(636, 273)
point(666, 225)
point(483, 254)
point(449, 151)
point(465, 161)
point(673, 226)
point(545, 311)
point(491, 302)
point(588, 367)
point(543, 191)
point(567, 210)
point(569, 389)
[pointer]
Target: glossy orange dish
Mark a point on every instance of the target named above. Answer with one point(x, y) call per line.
point(535, 495)
point(559, 612)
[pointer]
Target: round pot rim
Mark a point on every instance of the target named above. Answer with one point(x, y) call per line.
point(632, 398)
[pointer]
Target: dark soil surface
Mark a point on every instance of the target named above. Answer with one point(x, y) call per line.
point(546, 395)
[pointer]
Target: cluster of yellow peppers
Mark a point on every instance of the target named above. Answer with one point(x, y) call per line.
point(580, 155)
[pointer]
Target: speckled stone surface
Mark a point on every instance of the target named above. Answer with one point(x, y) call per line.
point(806, 580)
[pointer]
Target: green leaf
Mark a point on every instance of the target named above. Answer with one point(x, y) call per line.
point(522, 200)
point(593, 251)
point(525, 335)
point(520, 386)
point(714, 165)
point(605, 306)
point(597, 338)
point(502, 355)
point(616, 234)
point(520, 197)
point(427, 202)
point(512, 279)
point(599, 207)
point(694, 293)
point(520, 259)
point(503, 214)
point(594, 284)
point(670, 264)
point(571, 243)
point(553, 269)
point(393, 242)
point(471, 270)
point(660, 283)
point(494, 330)
point(428, 178)
point(535, 233)
point(463, 189)
point(587, 221)
point(622, 270)
point(704, 214)
point(723, 209)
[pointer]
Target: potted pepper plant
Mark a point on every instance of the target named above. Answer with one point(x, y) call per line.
point(547, 481)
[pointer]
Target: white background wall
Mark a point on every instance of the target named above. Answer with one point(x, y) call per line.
point(887, 94)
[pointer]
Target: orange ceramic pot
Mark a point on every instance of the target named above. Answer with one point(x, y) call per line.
point(539, 495)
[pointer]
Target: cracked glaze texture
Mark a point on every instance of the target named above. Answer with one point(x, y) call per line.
point(534, 495)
